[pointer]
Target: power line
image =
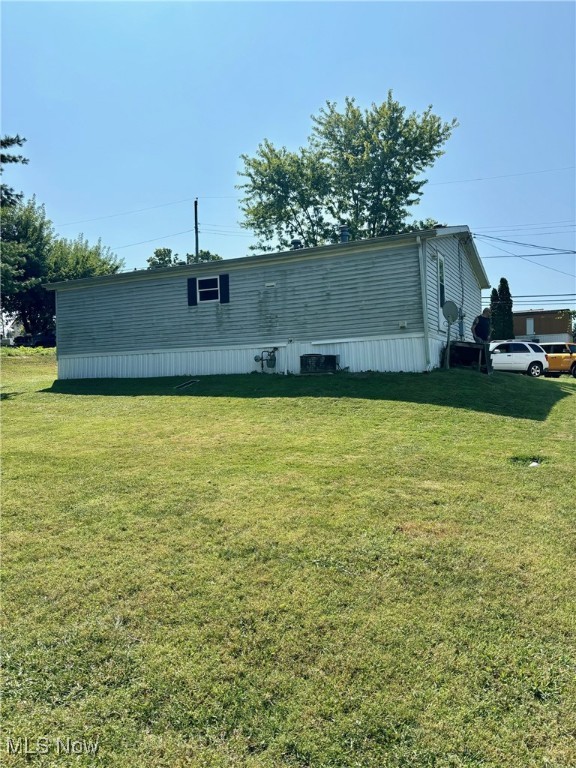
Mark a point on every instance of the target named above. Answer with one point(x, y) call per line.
point(153, 240)
point(552, 269)
point(149, 208)
point(225, 226)
point(535, 224)
point(528, 255)
point(527, 258)
point(505, 176)
point(238, 197)
point(224, 234)
point(517, 242)
point(125, 213)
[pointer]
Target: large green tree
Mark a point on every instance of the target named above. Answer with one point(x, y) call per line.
point(361, 167)
point(36, 256)
point(12, 253)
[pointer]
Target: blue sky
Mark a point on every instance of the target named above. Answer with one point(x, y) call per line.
point(145, 105)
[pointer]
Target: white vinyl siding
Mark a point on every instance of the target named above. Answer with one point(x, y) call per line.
point(460, 285)
point(372, 293)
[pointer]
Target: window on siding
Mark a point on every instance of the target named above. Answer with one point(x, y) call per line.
point(208, 289)
point(441, 283)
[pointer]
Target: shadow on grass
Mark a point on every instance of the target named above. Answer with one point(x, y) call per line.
point(501, 394)
point(9, 395)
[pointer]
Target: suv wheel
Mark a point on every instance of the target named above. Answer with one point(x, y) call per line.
point(573, 371)
point(535, 369)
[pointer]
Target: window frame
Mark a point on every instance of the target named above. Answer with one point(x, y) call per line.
point(195, 290)
point(200, 290)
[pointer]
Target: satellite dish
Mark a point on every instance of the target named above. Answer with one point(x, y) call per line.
point(450, 312)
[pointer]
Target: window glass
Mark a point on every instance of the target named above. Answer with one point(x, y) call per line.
point(208, 289)
point(441, 284)
point(572, 348)
point(208, 282)
point(503, 347)
point(536, 348)
point(208, 295)
point(516, 347)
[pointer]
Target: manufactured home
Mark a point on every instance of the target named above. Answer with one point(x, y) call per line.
point(364, 305)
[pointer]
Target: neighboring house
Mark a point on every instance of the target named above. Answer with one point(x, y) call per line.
point(376, 304)
point(543, 325)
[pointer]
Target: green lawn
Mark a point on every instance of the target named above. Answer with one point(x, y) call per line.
point(354, 571)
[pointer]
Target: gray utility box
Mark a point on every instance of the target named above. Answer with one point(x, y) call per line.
point(319, 363)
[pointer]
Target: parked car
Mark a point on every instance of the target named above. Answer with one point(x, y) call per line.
point(561, 357)
point(521, 356)
point(46, 339)
point(23, 341)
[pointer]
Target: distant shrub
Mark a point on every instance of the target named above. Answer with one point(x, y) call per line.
point(27, 351)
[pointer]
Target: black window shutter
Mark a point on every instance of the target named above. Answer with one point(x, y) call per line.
point(192, 294)
point(224, 289)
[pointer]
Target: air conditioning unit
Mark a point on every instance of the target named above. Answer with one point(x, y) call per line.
point(319, 363)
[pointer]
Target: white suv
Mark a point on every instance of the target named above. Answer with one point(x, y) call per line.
point(522, 356)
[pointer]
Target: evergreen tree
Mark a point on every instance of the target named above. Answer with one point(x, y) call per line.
point(505, 301)
point(495, 315)
point(8, 196)
point(501, 306)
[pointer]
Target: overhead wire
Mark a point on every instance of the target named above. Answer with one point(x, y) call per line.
point(126, 213)
point(504, 176)
point(528, 259)
point(517, 242)
point(528, 255)
point(238, 197)
point(520, 226)
point(153, 240)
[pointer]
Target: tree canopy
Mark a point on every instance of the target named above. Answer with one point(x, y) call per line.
point(163, 257)
point(32, 255)
point(361, 167)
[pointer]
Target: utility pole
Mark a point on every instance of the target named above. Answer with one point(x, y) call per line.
point(196, 224)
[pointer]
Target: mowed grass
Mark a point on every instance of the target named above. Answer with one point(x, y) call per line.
point(263, 571)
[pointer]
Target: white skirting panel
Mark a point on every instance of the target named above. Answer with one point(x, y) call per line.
point(436, 346)
point(375, 354)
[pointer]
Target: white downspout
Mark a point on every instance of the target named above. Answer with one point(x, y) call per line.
point(422, 260)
